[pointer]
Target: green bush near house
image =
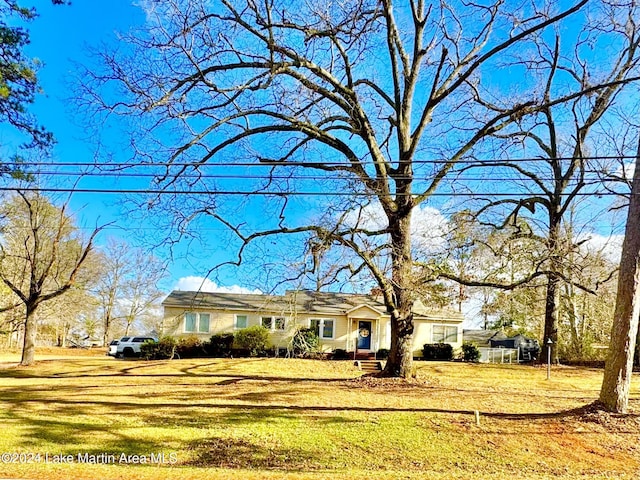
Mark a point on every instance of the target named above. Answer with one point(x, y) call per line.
point(220, 345)
point(304, 342)
point(382, 353)
point(255, 340)
point(190, 347)
point(470, 352)
point(160, 350)
point(340, 354)
point(437, 351)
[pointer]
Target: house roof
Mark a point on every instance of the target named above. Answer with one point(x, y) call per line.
point(321, 303)
point(483, 337)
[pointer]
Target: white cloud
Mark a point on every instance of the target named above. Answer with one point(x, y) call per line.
point(428, 229)
point(428, 225)
point(609, 246)
point(194, 284)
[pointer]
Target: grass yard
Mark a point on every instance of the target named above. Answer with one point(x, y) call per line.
point(305, 419)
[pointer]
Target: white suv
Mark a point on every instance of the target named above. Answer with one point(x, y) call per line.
point(130, 346)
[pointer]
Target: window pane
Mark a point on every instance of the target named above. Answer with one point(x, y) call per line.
point(241, 321)
point(452, 335)
point(327, 331)
point(267, 322)
point(204, 323)
point(279, 323)
point(438, 334)
point(190, 322)
point(315, 326)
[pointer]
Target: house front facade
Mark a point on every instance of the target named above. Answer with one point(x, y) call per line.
point(354, 323)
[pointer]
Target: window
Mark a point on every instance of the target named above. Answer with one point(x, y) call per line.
point(203, 325)
point(197, 322)
point(242, 321)
point(190, 322)
point(324, 327)
point(444, 334)
point(273, 323)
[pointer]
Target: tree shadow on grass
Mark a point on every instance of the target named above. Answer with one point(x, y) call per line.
point(71, 437)
point(243, 454)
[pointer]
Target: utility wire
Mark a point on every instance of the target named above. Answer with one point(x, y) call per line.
point(195, 164)
point(277, 177)
point(278, 194)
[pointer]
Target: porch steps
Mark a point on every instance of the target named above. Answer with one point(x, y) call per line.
point(369, 366)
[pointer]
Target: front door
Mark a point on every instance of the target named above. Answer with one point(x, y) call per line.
point(364, 335)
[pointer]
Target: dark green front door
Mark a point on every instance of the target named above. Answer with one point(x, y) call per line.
point(364, 335)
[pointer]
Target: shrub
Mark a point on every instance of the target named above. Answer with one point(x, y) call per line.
point(190, 347)
point(437, 351)
point(220, 345)
point(340, 354)
point(255, 340)
point(160, 350)
point(305, 342)
point(382, 354)
point(470, 352)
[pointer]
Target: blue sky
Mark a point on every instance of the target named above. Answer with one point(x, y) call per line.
point(60, 38)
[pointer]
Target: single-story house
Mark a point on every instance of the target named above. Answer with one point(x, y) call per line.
point(483, 338)
point(352, 322)
point(525, 349)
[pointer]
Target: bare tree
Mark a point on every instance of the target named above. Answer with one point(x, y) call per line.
point(557, 140)
point(614, 393)
point(127, 289)
point(380, 98)
point(41, 257)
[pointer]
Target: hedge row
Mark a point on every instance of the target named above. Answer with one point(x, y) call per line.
point(248, 342)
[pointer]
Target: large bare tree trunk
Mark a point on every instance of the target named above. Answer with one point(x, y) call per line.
point(30, 333)
point(553, 287)
point(616, 383)
point(400, 361)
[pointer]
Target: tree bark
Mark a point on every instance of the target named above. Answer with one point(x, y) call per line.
point(30, 333)
point(553, 287)
point(400, 361)
point(614, 393)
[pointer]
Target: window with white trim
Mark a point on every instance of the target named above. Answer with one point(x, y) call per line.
point(324, 327)
point(197, 322)
point(273, 323)
point(444, 334)
point(242, 321)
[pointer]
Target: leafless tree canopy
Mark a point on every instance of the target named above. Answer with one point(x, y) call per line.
point(380, 100)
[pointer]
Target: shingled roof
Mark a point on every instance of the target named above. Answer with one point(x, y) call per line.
point(326, 303)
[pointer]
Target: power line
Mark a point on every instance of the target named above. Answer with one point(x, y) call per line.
point(276, 177)
point(195, 164)
point(276, 194)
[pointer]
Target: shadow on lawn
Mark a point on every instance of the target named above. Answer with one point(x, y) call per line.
point(62, 433)
point(243, 454)
point(134, 369)
point(250, 411)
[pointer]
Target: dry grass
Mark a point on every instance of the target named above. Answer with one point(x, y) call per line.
point(299, 419)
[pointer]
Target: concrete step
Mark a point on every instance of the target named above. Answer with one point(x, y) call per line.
point(369, 365)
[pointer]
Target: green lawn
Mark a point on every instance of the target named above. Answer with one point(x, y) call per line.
point(304, 419)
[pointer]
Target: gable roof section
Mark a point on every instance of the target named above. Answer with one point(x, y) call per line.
point(364, 309)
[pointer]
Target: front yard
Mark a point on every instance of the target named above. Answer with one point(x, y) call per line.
point(94, 417)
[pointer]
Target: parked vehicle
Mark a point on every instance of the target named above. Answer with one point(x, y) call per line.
point(129, 347)
point(113, 348)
